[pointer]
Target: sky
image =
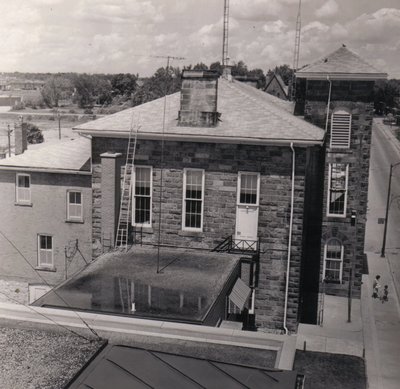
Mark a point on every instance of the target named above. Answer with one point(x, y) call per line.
point(128, 36)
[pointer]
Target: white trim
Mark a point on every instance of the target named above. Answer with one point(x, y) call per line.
point(240, 173)
point(45, 170)
point(26, 190)
point(74, 218)
point(45, 265)
point(184, 228)
point(344, 214)
point(330, 259)
point(149, 224)
point(342, 76)
point(340, 131)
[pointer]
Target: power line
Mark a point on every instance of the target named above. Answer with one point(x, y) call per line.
point(44, 280)
point(45, 316)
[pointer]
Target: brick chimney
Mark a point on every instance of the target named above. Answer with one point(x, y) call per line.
point(21, 138)
point(199, 98)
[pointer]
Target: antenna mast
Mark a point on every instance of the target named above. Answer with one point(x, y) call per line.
point(225, 34)
point(296, 50)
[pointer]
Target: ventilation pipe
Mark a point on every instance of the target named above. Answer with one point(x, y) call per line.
point(290, 238)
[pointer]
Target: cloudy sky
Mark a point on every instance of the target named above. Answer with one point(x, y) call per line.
point(114, 36)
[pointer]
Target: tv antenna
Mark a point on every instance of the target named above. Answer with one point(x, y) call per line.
point(296, 53)
point(225, 58)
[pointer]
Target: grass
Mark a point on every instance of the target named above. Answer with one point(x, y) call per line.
point(330, 371)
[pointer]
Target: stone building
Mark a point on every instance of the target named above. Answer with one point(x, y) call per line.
point(45, 207)
point(336, 94)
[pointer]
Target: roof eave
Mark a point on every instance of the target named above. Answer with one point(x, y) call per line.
point(45, 170)
point(342, 76)
point(205, 138)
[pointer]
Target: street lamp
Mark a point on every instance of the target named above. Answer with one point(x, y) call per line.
point(392, 166)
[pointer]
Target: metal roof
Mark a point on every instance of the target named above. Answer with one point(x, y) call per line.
point(126, 367)
point(341, 64)
point(70, 155)
point(248, 115)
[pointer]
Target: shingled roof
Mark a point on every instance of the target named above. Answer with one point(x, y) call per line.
point(248, 115)
point(341, 64)
point(67, 156)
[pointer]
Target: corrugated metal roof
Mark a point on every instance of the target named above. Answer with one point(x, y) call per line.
point(247, 114)
point(131, 368)
point(66, 155)
point(240, 293)
point(341, 62)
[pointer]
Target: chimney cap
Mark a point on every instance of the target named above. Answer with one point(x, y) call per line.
point(212, 74)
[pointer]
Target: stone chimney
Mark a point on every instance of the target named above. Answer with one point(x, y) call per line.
point(21, 138)
point(199, 99)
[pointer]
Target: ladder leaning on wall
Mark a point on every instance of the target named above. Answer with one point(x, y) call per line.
point(121, 239)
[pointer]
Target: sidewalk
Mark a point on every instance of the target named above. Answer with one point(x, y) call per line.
point(381, 328)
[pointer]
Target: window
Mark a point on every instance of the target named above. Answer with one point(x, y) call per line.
point(337, 189)
point(45, 251)
point(74, 205)
point(193, 196)
point(333, 261)
point(23, 189)
point(248, 188)
point(142, 196)
point(340, 129)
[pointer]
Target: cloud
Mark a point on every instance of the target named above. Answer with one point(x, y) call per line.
point(274, 27)
point(330, 8)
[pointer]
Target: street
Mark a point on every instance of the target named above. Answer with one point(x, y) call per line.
point(385, 150)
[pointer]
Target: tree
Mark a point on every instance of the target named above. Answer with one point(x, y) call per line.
point(385, 93)
point(240, 69)
point(54, 89)
point(216, 66)
point(34, 134)
point(84, 94)
point(123, 84)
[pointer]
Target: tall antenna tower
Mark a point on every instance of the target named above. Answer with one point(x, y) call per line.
point(225, 58)
point(296, 53)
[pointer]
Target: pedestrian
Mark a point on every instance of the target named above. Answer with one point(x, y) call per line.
point(385, 297)
point(376, 286)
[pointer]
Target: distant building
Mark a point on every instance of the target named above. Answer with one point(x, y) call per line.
point(46, 212)
point(276, 87)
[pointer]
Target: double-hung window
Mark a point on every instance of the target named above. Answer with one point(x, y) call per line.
point(23, 189)
point(45, 251)
point(142, 196)
point(74, 205)
point(340, 130)
point(193, 199)
point(333, 260)
point(337, 189)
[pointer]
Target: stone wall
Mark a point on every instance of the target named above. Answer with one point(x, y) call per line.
point(359, 103)
point(221, 163)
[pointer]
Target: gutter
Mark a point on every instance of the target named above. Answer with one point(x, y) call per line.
point(204, 138)
point(290, 240)
point(45, 170)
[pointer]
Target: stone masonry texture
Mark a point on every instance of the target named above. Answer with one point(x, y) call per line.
point(221, 163)
point(356, 98)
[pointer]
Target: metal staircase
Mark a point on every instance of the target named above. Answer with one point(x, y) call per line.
point(121, 239)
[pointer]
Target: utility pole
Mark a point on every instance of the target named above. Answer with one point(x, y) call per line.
point(9, 131)
point(392, 166)
point(59, 124)
point(225, 40)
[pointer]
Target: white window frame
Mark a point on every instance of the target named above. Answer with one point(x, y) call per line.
point(330, 259)
point(343, 143)
point(240, 174)
point(74, 218)
point(341, 215)
point(18, 189)
point(45, 265)
point(184, 228)
point(149, 224)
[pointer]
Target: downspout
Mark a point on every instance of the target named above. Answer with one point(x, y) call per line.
point(290, 239)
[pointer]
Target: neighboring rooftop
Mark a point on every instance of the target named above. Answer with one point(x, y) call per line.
point(281, 83)
point(341, 64)
point(131, 367)
point(186, 288)
point(69, 155)
point(248, 115)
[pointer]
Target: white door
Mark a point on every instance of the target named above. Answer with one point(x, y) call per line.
point(247, 210)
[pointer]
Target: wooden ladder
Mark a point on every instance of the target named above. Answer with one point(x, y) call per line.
point(121, 239)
